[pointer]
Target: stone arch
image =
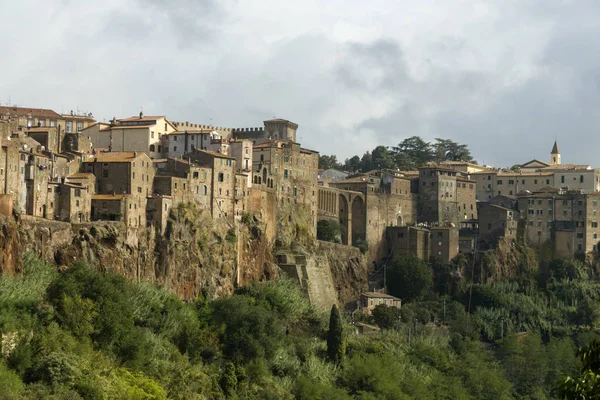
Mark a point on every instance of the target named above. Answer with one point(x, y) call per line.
point(344, 215)
point(400, 220)
point(264, 175)
point(359, 226)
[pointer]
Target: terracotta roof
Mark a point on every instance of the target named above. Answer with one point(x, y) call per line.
point(281, 120)
point(36, 112)
point(144, 118)
point(532, 162)
point(486, 204)
point(110, 196)
point(379, 295)
point(213, 153)
point(81, 175)
point(97, 123)
point(567, 167)
point(115, 156)
point(309, 151)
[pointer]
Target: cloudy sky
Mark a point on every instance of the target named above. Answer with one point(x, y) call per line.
point(504, 76)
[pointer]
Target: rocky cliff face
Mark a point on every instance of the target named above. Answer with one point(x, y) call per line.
point(195, 255)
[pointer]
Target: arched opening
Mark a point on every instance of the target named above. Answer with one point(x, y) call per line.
point(264, 175)
point(358, 220)
point(343, 215)
point(400, 221)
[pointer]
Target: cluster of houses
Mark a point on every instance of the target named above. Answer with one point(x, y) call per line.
point(72, 168)
point(69, 167)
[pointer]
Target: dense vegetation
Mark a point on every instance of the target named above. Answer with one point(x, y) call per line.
point(86, 334)
point(410, 154)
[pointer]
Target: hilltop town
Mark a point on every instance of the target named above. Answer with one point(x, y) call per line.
point(135, 170)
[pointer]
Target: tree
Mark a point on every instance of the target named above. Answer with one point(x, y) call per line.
point(386, 317)
point(414, 149)
point(352, 164)
point(449, 150)
point(382, 158)
point(587, 384)
point(366, 162)
point(409, 278)
point(229, 379)
point(328, 162)
point(328, 230)
point(336, 343)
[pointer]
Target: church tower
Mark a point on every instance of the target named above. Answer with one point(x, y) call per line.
point(555, 155)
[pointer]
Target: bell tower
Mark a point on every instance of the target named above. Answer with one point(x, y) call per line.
point(555, 155)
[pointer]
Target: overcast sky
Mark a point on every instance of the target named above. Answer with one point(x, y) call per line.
point(504, 76)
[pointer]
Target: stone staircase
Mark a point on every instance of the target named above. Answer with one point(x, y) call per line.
point(314, 276)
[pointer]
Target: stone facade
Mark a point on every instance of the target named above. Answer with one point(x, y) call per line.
point(496, 222)
point(444, 243)
point(409, 240)
point(568, 220)
point(223, 181)
point(141, 134)
point(370, 300)
point(124, 173)
point(157, 212)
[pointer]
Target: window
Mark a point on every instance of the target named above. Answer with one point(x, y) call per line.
point(499, 181)
point(220, 177)
point(262, 157)
point(580, 178)
point(579, 235)
point(594, 224)
point(42, 122)
point(205, 190)
point(195, 174)
point(511, 182)
point(139, 189)
point(133, 175)
point(79, 126)
point(594, 203)
point(77, 203)
point(174, 148)
point(580, 203)
point(285, 173)
point(523, 181)
point(535, 181)
point(69, 127)
point(547, 181)
point(77, 192)
point(176, 185)
point(562, 179)
point(52, 123)
point(152, 148)
point(175, 137)
point(165, 126)
point(229, 163)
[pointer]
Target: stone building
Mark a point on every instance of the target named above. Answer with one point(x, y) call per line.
point(446, 196)
point(177, 143)
point(370, 300)
point(291, 171)
point(157, 212)
point(222, 183)
point(118, 207)
point(409, 240)
point(444, 243)
point(495, 222)
point(140, 133)
point(274, 129)
point(71, 200)
point(124, 173)
point(567, 220)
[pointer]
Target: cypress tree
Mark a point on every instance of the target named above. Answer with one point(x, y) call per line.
point(336, 343)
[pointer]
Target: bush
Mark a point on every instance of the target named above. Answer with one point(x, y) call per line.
point(328, 230)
